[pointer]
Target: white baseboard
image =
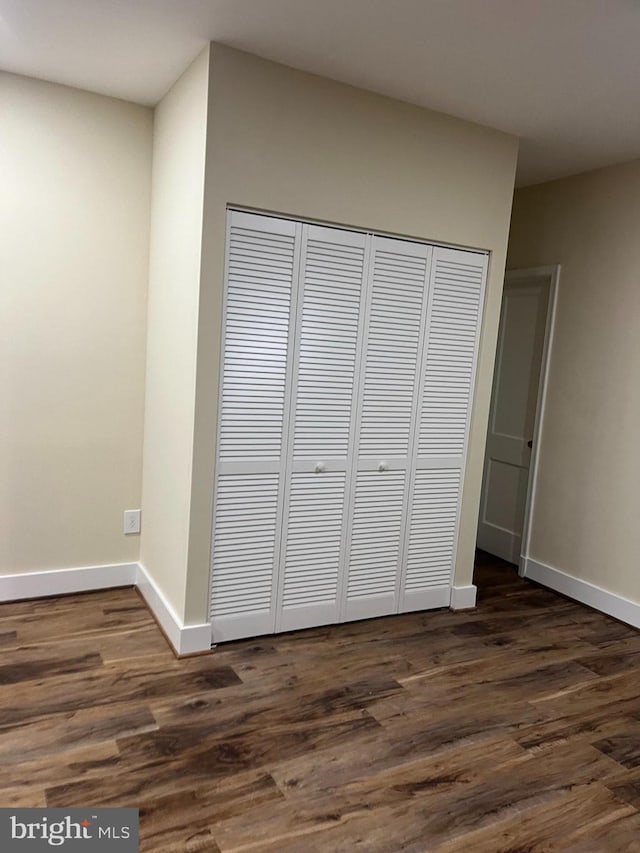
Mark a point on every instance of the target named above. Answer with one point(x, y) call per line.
point(185, 639)
point(66, 581)
point(587, 593)
point(463, 597)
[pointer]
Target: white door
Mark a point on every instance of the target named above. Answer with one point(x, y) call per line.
point(396, 310)
point(448, 370)
point(262, 261)
point(333, 272)
point(512, 416)
point(347, 380)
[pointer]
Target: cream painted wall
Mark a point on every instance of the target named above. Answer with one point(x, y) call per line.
point(585, 520)
point(74, 225)
point(286, 141)
point(174, 283)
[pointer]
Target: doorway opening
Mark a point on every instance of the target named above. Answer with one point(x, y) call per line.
point(516, 415)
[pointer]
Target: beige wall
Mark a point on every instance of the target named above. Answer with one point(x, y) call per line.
point(174, 282)
point(74, 208)
point(585, 521)
point(289, 142)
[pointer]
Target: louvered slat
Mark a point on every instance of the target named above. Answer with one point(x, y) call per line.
point(454, 320)
point(432, 529)
point(260, 269)
point(332, 276)
point(398, 289)
point(244, 543)
point(312, 548)
point(374, 548)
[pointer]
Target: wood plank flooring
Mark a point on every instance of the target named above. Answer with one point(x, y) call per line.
point(512, 728)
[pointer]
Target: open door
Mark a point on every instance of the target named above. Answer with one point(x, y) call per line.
point(515, 411)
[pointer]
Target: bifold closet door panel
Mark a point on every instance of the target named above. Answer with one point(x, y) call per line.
point(244, 554)
point(262, 257)
point(386, 424)
point(446, 396)
point(329, 320)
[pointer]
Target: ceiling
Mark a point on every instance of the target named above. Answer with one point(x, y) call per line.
point(564, 75)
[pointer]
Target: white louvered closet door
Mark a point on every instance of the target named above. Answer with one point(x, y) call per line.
point(262, 259)
point(346, 389)
point(448, 370)
point(388, 392)
point(329, 320)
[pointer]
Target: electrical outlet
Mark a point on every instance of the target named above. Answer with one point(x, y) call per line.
point(132, 521)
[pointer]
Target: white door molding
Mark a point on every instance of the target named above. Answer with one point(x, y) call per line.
point(552, 274)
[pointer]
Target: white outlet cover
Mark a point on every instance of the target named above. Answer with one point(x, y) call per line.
point(131, 521)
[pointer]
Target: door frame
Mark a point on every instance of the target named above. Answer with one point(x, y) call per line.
point(551, 274)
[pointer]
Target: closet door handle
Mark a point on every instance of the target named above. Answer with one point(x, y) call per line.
point(320, 468)
point(383, 466)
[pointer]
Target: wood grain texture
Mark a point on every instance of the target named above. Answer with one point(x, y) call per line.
point(512, 728)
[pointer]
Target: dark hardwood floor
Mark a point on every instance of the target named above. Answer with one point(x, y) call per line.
point(513, 727)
